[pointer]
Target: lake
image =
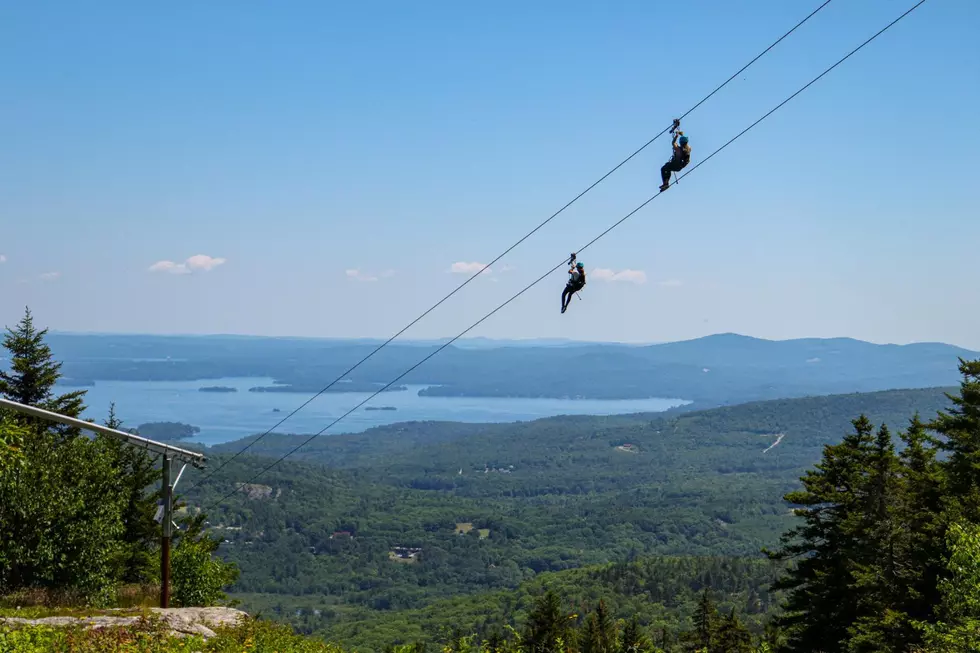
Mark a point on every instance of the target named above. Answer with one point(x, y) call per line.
point(227, 416)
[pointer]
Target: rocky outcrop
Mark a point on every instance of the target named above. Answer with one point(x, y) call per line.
point(180, 621)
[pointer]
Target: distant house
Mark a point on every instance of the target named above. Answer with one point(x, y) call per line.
point(340, 535)
point(404, 553)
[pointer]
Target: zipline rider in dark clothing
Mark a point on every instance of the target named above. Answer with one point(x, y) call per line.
point(680, 158)
point(575, 283)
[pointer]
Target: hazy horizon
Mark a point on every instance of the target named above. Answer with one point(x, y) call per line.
point(530, 339)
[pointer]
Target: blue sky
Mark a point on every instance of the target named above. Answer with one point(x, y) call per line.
point(328, 163)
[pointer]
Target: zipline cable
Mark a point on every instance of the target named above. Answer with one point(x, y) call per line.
point(511, 248)
point(565, 261)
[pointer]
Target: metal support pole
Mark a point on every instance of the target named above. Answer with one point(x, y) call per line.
point(168, 515)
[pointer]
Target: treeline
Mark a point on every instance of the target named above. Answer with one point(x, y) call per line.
point(77, 512)
point(660, 594)
point(887, 551)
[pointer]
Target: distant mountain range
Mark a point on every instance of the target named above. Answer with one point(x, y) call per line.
point(713, 370)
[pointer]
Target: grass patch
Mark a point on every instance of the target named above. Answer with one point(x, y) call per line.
point(36, 603)
point(150, 635)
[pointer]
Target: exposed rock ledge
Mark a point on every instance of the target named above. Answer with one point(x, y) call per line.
point(182, 621)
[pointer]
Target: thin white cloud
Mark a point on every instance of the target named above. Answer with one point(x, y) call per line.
point(358, 275)
point(49, 276)
point(670, 283)
point(508, 268)
point(196, 263)
point(203, 262)
point(629, 276)
point(169, 266)
point(462, 267)
point(3, 259)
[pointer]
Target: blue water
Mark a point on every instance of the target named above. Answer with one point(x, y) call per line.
point(227, 416)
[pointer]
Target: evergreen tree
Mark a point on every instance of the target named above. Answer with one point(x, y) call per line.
point(606, 629)
point(547, 629)
point(821, 607)
point(879, 624)
point(600, 631)
point(921, 537)
point(705, 623)
point(772, 637)
point(960, 431)
point(139, 562)
point(633, 640)
point(33, 372)
point(591, 640)
point(732, 636)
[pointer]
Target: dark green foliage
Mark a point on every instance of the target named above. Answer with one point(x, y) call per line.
point(921, 514)
point(821, 605)
point(12, 436)
point(548, 628)
point(33, 372)
point(198, 577)
point(137, 474)
point(732, 636)
point(870, 571)
point(600, 632)
point(705, 630)
point(959, 429)
point(634, 640)
point(60, 519)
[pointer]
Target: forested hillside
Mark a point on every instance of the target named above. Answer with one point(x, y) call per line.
point(533, 497)
point(660, 593)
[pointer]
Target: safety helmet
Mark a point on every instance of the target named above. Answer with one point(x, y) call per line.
point(580, 265)
point(683, 140)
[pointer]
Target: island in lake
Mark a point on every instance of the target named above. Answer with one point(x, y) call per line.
point(163, 431)
point(217, 388)
point(380, 408)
